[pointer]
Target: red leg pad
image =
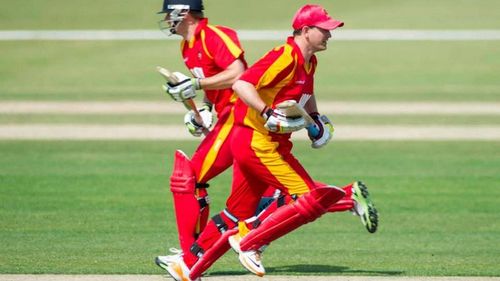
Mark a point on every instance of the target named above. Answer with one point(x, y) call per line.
point(183, 178)
point(210, 235)
point(344, 204)
point(277, 203)
point(187, 208)
point(216, 251)
point(307, 208)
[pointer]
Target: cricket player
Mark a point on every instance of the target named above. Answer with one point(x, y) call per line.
point(215, 58)
point(263, 143)
point(212, 243)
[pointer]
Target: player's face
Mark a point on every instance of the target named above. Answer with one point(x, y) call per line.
point(318, 38)
point(175, 22)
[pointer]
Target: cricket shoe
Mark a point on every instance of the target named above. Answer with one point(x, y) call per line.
point(364, 207)
point(164, 261)
point(177, 268)
point(251, 260)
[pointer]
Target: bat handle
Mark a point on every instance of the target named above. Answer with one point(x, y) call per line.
point(313, 130)
point(189, 103)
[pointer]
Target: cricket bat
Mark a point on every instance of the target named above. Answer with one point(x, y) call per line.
point(189, 103)
point(292, 109)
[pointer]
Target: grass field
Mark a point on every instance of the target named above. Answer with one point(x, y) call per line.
point(368, 71)
point(103, 207)
point(258, 14)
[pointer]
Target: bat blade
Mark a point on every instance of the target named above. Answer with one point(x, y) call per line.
point(169, 76)
point(189, 103)
point(292, 109)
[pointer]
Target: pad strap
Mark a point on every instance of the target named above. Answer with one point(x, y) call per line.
point(202, 185)
point(196, 250)
point(220, 223)
point(204, 201)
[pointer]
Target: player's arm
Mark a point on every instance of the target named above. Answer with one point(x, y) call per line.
point(225, 78)
point(311, 106)
point(249, 95)
point(275, 120)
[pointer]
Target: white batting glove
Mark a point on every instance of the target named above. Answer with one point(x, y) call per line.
point(185, 89)
point(325, 133)
point(193, 127)
point(278, 122)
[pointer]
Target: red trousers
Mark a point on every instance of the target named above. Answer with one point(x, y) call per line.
point(262, 161)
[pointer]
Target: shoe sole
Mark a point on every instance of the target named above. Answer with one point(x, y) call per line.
point(160, 263)
point(169, 270)
point(249, 267)
point(370, 218)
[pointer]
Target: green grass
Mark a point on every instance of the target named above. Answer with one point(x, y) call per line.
point(349, 71)
point(258, 14)
point(104, 207)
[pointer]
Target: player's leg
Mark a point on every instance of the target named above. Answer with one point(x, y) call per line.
point(212, 242)
point(357, 200)
point(186, 204)
point(307, 208)
point(213, 157)
point(192, 205)
point(272, 164)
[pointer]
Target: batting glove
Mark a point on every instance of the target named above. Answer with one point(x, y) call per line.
point(278, 122)
point(325, 128)
point(185, 89)
point(192, 126)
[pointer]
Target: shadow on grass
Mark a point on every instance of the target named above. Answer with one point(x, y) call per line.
point(314, 269)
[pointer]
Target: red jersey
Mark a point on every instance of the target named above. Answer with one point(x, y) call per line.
point(282, 74)
point(211, 50)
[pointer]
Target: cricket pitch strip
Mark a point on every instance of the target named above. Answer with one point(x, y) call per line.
point(47, 277)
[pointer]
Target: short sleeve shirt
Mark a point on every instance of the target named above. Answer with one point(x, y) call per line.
point(281, 74)
point(211, 50)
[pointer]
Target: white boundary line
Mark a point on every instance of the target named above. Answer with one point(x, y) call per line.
point(280, 35)
point(350, 108)
point(173, 132)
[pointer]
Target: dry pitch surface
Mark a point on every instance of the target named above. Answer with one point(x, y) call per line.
point(232, 278)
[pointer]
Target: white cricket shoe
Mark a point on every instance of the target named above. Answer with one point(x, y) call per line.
point(164, 261)
point(175, 266)
point(251, 260)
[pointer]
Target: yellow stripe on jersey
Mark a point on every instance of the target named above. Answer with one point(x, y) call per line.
point(219, 140)
point(183, 42)
point(233, 48)
point(266, 151)
point(191, 42)
point(284, 60)
point(202, 33)
point(233, 98)
point(253, 118)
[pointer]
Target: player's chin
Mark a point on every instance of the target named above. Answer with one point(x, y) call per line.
point(322, 47)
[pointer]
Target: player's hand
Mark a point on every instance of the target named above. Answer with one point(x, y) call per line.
point(278, 122)
point(193, 127)
point(325, 129)
point(185, 89)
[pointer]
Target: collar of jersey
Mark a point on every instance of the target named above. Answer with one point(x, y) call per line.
point(201, 25)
